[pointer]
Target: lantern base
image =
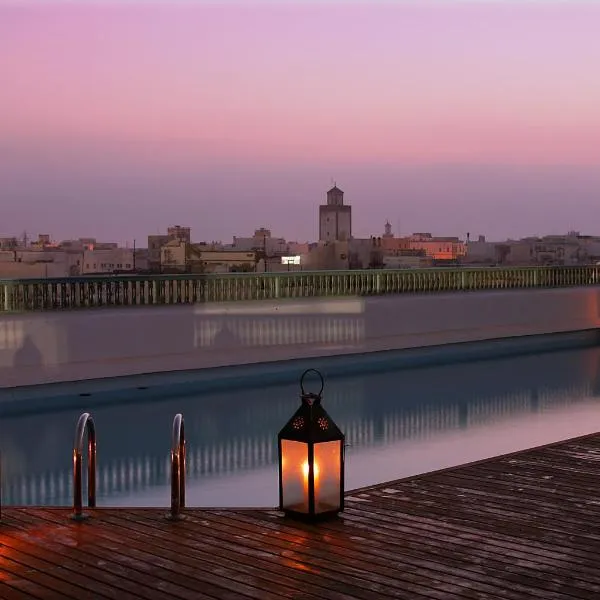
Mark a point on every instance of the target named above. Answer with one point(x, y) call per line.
point(311, 518)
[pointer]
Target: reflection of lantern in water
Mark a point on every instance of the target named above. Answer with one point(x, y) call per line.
point(311, 461)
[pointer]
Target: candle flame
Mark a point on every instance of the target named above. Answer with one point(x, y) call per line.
point(315, 469)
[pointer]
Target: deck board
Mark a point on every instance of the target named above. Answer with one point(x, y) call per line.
point(521, 526)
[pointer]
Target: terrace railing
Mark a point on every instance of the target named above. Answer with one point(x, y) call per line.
point(18, 295)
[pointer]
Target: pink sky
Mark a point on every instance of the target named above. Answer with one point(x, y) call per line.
point(177, 88)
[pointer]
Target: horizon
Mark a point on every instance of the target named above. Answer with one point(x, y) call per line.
point(137, 116)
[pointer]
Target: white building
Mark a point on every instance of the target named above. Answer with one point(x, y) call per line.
point(335, 218)
point(262, 240)
point(37, 263)
point(570, 249)
point(173, 255)
point(107, 260)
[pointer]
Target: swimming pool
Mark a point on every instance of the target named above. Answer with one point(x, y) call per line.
point(397, 423)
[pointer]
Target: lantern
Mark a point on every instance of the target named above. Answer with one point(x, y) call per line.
point(311, 460)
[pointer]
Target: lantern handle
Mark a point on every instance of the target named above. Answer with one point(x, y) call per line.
point(305, 374)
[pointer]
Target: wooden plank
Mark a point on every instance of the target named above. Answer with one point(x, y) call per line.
point(165, 540)
point(181, 582)
point(228, 550)
point(398, 552)
point(522, 526)
point(39, 578)
point(330, 566)
point(538, 578)
point(97, 563)
point(345, 548)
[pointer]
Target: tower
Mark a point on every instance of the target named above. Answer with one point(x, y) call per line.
point(388, 230)
point(335, 218)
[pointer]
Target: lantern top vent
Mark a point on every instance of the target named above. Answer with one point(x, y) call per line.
point(311, 423)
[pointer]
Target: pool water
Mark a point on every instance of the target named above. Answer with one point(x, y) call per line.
point(397, 423)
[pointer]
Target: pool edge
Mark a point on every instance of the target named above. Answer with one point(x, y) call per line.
point(158, 385)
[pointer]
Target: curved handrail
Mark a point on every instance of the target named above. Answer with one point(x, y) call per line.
point(177, 467)
point(84, 425)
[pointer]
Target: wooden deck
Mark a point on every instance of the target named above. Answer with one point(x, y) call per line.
point(522, 526)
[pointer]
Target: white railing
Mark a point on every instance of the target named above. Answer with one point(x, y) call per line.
point(93, 292)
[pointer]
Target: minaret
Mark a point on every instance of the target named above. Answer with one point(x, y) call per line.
point(335, 218)
point(388, 230)
point(335, 196)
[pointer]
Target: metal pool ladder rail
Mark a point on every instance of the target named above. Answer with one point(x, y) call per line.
point(84, 425)
point(177, 469)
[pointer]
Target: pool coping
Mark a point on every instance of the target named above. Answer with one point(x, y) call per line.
point(158, 385)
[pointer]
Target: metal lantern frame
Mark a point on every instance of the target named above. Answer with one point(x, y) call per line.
point(311, 425)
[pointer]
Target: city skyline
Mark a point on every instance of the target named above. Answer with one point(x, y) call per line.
point(125, 119)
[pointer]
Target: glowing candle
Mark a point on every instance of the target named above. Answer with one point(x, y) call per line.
point(315, 472)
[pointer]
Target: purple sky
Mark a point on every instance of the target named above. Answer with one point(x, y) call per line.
point(118, 120)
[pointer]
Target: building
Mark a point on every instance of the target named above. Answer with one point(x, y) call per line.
point(173, 256)
point(261, 241)
point(482, 252)
point(43, 241)
point(155, 244)
point(332, 256)
point(224, 261)
point(8, 243)
point(438, 248)
point(262, 232)
point(547, 250)
point(108, 260)
point(365, 253)
point(141, 260)
point(83, 244)
point(406, 259)
point(177, 232)
point(179, 256)
point(34, 262)
point(387, 231)
point(570, 249)
point(335, 218)
point(11, 269)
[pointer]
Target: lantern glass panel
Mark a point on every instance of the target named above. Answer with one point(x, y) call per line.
point(294, 476)
point(328, 458)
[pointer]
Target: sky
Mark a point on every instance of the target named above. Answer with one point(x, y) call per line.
point(119, 119)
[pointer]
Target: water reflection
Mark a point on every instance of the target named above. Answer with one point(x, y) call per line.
point(41, 347)
point(397, 423)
